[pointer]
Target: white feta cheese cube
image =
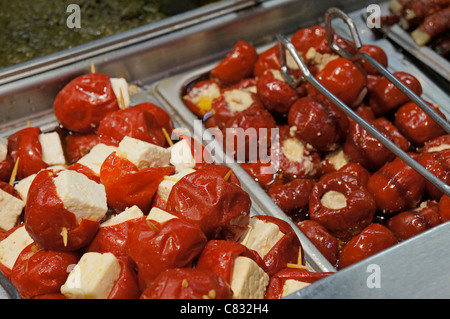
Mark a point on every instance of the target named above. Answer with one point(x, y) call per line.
point(81, 196)
point(11, 246)
point(120, 88)
point(248, 280)
point(128, 214)
point(291, 285)
point(3, 148)
point(52, 150)
point(165, 187)
point(93, 277)
point(261, 236)
point(181, 156)
point(97, 155)
point(238, 100)
point(10, 209)
point(143, 154)
point(159, 215)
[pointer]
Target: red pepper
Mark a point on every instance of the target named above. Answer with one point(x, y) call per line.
point(162, 117)
point(439, 164)
point(440, 142)
point(133, 122)
point(6, 169)
point(126, 185)
point(220, 207)
point(25, 146)
point(444, 208)
point(321, 238)
point(199, 97)
point(416, 125)
point(275, 94)
point(287, 250)
point(277, 281)
point(126, 286)
point(320, 124)
point(155, 247)
point(39, 272)
point(376, 53)
point(396, 186)
point(218, 256)
point(188, 283)
point(268, 60)
point(385, 97)
point(262, 172)
point(237, 65)
point(292, 197)
point(348, 219)
point(344, 80)
point(410, 223)
point(84, 101)
point(372, 239)
point(45, 217)
point(78, 145)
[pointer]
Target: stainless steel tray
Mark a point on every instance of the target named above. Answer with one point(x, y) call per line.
point(424, 53)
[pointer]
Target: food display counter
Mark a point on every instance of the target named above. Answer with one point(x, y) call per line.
point(163, 60)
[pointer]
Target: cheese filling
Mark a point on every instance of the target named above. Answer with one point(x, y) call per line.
point(333, 200)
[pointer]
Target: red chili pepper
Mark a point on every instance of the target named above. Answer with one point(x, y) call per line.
point(157, 247)
point(38, 271)
point(25, 146)
point(84, 101)
point(372, 239)
point(45, 217)
point(126, 185)
point(188, 283)
point(78, 145)
point(375, 52)
point(126, 286)
point(220, 207)
point(237, 65)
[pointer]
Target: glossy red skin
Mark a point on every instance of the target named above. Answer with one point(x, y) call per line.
point(6, 168)
point(126, 286)
point(375, 52)
point(350, 220)
point(292, 197)
point(84, 101)
point(396, 187)
point(237, 64)
point(45, 216)
point(268, 60)
point(343, 79)
point(398, 138)
point(112, 239)
point(162, 117)
point(262, 172)
point(176, 244)
point(416, 125)
point(358, 171)
point(372, 239)
point(275, 94)
point(133, 122)
point(24, 144)
point(41, 272)
point(440, 141)
point(306, 166)
point(218, 256)
point(362, 147)
point(256, 119)
point(196, 90)
point(170, 284)
point(220, 208)
point(437, 163)
point(222, 111)
point(444, 208)
point(385, 97)
point(276, 283)
point(8, 188)
point(78, 145)
point(317, 124)
point(286, 250)
point(411, 223)
point(315, 37)
point(80, 168)
point(126, 185)
point(320, 237)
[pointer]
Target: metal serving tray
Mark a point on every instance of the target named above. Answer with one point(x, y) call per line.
point(424, 53)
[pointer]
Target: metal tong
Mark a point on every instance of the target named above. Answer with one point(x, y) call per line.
point(285, 45)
